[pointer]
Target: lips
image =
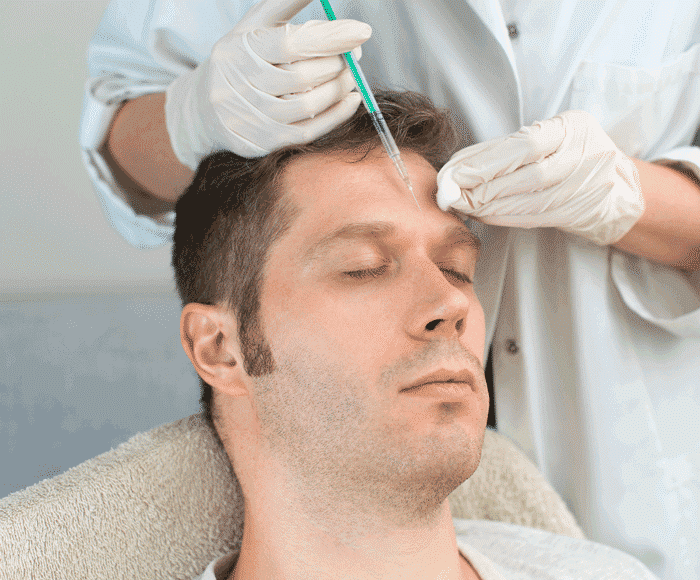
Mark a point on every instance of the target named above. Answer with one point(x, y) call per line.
point(443, 376)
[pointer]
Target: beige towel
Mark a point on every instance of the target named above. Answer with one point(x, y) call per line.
point(165, 503)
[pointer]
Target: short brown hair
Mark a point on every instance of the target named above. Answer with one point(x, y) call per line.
point(234, 209)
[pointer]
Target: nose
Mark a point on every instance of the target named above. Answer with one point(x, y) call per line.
point(441, 307)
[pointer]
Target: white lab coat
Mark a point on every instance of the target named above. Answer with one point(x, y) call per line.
point(596, 353)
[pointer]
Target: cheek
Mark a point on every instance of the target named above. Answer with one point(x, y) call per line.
point(353, 332)
point(475, 334)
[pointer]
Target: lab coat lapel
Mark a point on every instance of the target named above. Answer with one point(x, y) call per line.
point(490, 13)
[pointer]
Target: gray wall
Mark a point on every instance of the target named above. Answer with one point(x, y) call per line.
point(89, 344)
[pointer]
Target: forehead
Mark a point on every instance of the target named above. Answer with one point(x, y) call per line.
point(339, 191)
point(340, 177)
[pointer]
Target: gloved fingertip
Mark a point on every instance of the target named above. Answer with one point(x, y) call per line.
point(367, 29)
point(317, 38)
point(448, 191)
point(354, 29)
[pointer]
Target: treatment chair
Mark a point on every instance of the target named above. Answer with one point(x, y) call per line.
point(166, 503)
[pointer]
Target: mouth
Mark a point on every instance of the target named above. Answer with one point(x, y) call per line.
point(443, 383)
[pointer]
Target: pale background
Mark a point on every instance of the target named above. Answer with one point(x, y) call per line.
point(89, 342)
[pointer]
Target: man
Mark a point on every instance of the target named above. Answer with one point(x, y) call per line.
point(340, 344)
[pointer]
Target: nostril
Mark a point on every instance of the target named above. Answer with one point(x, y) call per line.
point(459, 325)
point(433, 324)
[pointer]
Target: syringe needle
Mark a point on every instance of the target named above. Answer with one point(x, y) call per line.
point(403, 172)
point(410, 188)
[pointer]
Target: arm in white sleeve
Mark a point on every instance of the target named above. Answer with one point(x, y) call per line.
point(141, 230)
point(127, 58)
point(686, 158)
point(662, 295)
point(238, 78)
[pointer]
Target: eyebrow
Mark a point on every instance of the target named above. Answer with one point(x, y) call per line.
point(457, 235)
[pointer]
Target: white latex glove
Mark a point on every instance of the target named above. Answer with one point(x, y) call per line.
point(564, 172)
point(266, 84)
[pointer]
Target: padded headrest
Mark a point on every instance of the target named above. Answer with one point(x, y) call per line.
point(166, 503)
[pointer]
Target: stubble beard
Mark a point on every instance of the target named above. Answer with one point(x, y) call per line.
point(343, 464)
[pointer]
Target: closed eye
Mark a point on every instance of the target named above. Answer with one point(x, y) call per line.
point(368, 273)
point(376, 272)
point(459, 276)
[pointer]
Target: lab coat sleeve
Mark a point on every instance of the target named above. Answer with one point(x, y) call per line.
point(661, 294)
point(139, 48)
point(142, 231)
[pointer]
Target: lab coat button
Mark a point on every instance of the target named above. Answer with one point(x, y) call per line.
point(513, 31)
point(512, 346)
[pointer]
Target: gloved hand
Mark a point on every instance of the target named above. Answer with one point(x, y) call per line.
point(564, 172)
point(266, 84)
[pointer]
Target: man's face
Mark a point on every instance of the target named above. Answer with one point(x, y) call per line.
point(364, 297)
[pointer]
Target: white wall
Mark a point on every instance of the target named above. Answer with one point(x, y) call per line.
point(53, 234)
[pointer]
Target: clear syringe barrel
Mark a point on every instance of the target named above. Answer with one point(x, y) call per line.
point(384, 134)
point(377, 118)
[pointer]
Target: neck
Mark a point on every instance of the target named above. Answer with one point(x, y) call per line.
point(290, 544)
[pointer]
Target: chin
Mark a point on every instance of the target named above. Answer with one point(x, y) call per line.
point(458, 464)
point(444, 462)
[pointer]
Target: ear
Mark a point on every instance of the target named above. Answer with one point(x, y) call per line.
point(209, 335)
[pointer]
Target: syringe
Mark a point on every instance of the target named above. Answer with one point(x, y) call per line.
point(373, 110)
